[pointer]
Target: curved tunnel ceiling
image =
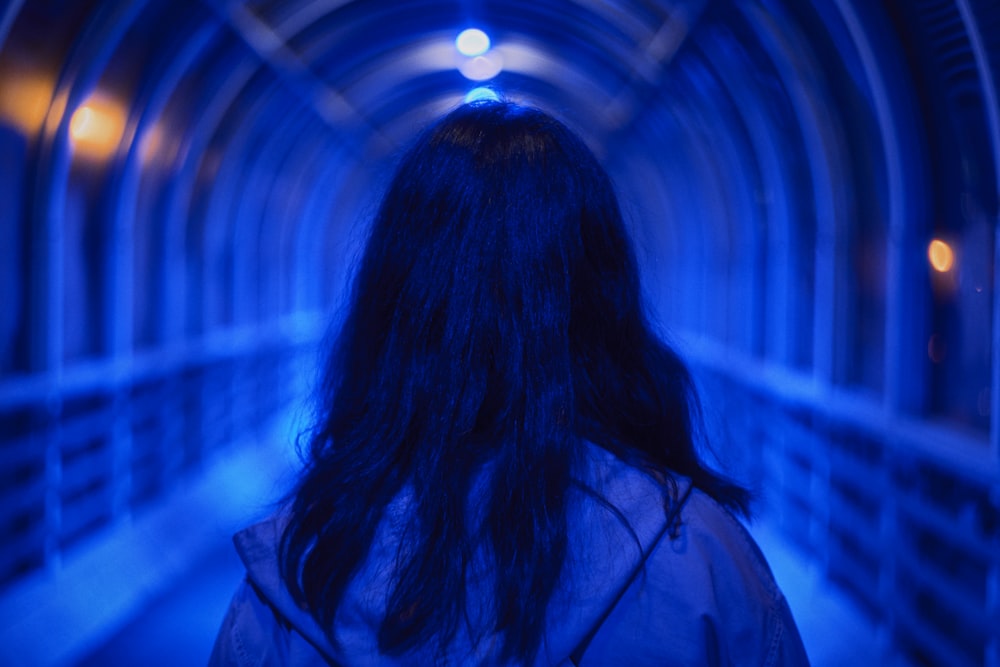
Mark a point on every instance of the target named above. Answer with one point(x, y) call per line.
point(367, 62)
point(249, 136)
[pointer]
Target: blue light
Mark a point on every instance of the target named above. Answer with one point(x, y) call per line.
point(472, 42)
point(481, 93)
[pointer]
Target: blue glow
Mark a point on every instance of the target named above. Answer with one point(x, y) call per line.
point(481, 93)
point(472, 42)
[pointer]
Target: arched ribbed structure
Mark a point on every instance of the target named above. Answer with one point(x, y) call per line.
point(186, 184)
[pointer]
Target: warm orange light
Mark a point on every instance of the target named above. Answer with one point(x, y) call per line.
point(24, 100)
point(96, 128)
point(941, 256)
point(82, 126)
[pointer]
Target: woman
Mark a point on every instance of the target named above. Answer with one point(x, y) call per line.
point(504, 467)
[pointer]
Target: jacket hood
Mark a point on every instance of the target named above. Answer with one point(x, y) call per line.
point(611, 532)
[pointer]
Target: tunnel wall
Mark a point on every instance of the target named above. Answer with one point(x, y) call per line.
point(847, 376)
point(155, 312)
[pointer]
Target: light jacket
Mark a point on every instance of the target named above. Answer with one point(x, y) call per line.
point(696, 591)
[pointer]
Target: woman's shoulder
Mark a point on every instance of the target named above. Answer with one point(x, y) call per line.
point(710, 525)
point(704, 594)
point(646, 494)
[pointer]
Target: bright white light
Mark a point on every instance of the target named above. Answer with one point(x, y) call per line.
point(482, 68)
point(481, 93)
point(472, 42)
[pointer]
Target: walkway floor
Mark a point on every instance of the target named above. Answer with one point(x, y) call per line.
point(178, 628)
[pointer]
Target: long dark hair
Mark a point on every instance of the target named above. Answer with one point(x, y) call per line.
point(495, 324)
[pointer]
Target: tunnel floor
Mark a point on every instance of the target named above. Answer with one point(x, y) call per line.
point(179, 627)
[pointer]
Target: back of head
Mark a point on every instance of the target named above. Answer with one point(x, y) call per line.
point(495, 323)
point(499, 239)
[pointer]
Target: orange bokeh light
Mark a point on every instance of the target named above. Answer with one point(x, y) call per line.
point(96, 127)
point(941, 256)
point(24, 100)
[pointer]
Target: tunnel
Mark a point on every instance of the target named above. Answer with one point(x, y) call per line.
point(811, 186)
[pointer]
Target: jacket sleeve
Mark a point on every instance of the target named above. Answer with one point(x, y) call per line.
point(252, 635)
point(787, 649)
